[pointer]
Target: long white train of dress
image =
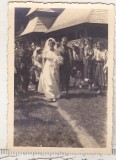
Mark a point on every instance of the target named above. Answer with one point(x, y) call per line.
point(49, 79)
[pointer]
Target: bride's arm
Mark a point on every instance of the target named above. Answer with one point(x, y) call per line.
point(50, 56)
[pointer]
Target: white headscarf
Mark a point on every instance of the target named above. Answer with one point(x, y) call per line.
point(46, 47)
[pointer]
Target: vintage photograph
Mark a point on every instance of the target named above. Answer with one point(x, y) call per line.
point(60, 76)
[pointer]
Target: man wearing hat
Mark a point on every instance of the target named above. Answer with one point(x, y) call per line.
point(65, 68)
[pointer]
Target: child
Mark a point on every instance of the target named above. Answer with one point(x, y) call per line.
point(37, 61)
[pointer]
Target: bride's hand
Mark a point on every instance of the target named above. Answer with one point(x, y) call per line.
point(60, 60)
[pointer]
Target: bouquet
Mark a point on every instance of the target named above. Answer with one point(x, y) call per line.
point(60, 60)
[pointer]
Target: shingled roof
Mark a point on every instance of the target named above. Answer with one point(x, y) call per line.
point(73, 17)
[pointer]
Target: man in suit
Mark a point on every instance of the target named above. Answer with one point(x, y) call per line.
point(65, 68)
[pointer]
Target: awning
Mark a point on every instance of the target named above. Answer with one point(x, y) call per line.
point(72, 17)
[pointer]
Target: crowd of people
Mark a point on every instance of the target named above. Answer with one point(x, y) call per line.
point(51, 68)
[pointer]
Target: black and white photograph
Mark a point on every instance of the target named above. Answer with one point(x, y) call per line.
point(61, 84)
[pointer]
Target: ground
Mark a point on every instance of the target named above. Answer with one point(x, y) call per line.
point(77, 121)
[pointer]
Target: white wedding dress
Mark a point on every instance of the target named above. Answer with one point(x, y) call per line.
point(49, 79)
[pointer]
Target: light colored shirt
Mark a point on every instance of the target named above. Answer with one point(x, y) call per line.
point(35, 59)
point(100, 55)
point(76, 56)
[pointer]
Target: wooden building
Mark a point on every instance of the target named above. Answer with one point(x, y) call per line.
point(73, 23)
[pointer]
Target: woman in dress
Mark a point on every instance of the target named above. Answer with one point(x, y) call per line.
point(37, 62)
point(49, 79)
point(100, 56)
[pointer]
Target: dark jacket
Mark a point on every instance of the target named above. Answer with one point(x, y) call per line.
point(66, 53)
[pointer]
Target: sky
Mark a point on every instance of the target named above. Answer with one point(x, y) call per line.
point(20, 18)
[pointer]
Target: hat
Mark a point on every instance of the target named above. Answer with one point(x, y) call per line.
point(64, 39)
point(38, 48)
point(101, 43)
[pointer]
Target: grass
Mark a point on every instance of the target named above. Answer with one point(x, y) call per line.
point(90, 112)
point(39, 124)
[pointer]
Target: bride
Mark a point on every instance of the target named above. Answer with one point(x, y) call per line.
point(49, 79)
